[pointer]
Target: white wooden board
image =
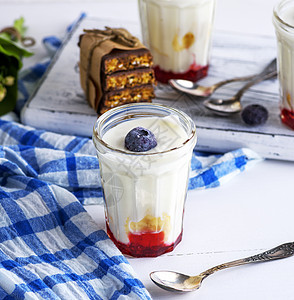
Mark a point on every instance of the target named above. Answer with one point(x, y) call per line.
point(59, 104)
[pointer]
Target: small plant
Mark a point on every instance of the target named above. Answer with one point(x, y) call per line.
point(12, 43)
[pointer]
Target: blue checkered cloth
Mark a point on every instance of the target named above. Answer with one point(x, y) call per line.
point(50, 248)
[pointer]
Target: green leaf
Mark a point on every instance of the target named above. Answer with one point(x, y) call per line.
point(6, 36)
point(11, 44)
point(10, 48)
point(19, 26)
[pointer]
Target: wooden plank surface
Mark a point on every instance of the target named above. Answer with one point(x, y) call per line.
point(59, 104)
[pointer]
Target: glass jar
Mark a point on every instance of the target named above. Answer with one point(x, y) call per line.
point(144, 192)
point(178, 34)
point(283, 20)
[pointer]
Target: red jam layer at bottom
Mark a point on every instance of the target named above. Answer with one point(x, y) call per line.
point(146, 244)
point(287, 117)
point(194, 73)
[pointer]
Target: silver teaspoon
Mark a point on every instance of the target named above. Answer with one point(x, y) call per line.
point(173, 281)
point(192, 88)
point(226, 107)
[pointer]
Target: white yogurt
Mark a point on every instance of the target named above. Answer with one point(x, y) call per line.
point(146, 190)
point(177, 32)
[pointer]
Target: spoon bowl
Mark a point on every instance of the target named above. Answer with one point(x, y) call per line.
point(223, 107)
point(226, 107)
point(192, 88)
point(174, 281)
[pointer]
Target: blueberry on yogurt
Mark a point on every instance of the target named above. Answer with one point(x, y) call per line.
point(140, 139)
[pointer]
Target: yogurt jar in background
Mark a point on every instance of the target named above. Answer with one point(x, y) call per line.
point(145, 192)
point(178, 34)
point(283, 20)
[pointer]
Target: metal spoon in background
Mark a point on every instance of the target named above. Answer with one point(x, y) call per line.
point(173, 281)
point(226, 107)
point(192, 88)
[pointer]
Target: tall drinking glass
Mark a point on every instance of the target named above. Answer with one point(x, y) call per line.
point(283, 20)
point(145, 192)
point(178, 34)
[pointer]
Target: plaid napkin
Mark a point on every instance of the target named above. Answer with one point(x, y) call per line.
point(50, 247)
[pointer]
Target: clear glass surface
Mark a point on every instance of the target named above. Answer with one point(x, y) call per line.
point(144, 192)
point(178, 34)
point(283, 20)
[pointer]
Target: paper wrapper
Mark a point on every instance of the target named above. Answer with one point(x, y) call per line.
point(93, 46)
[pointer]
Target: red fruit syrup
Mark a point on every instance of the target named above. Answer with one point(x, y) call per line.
point(194, 73)
point(287, 117)
point(144, 244)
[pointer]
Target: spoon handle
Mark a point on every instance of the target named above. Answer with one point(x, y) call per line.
point(254, 81)
point(282, 251)
point(271, 67)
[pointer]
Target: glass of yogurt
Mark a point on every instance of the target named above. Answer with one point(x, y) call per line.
point(144, 192)
point(283, 20)
point(178, 34)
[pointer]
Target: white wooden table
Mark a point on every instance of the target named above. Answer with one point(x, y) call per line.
point(251, 213)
